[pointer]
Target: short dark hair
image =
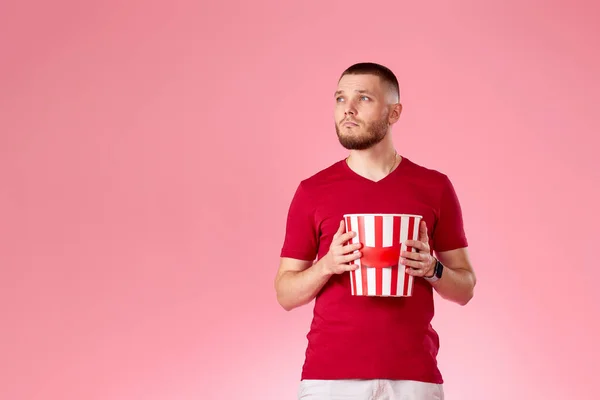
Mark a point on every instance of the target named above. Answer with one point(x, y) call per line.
point(369, 68)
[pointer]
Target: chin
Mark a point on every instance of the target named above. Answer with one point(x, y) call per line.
point(351, 130)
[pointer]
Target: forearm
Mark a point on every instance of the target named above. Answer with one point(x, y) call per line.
point(456, 285)
point(297, 288)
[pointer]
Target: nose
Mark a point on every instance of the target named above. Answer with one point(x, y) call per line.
point(350, 109)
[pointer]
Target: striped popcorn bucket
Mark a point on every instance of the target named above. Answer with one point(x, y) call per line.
point(382, 237)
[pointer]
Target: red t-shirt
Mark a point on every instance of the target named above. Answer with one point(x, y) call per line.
point(359, 337)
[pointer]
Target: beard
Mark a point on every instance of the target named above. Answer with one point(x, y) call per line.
point(373, 134)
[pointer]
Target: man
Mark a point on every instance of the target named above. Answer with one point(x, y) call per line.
point(363, 347)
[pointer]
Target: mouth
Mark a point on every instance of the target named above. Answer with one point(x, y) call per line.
point(349, 123)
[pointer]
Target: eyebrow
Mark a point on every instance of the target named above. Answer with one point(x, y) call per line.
point(361, 91)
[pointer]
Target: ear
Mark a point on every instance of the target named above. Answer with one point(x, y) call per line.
point(395, 111)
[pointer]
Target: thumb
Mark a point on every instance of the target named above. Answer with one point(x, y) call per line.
point(340, 230)
point(423, 237)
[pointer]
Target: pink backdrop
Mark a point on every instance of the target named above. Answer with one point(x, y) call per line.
point(149, 151)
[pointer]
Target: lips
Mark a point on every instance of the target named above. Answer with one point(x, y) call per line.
point(349, 123)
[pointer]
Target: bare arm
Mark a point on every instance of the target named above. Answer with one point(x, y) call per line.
point(298, 282)
point(458, 278)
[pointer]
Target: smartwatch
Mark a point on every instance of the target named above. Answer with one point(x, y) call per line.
point(437, 272)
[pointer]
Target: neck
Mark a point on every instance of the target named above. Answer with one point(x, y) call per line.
point(374, 163)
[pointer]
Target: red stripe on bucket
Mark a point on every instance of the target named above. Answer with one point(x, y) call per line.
point(411, 230)
point(379, 244)
point(352, 273)
point(396, 242)
point(361, 234)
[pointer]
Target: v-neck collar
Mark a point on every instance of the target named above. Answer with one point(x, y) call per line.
point(398, 170)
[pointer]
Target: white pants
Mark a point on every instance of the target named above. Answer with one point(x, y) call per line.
point(375, 389)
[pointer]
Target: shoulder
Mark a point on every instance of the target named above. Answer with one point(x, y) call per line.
point(322, 177)
point(427, 174)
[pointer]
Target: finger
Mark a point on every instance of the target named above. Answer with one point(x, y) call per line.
point(417, 245)
point(350, 265)
point(346, 237)
point(341, 250)
point(413, 255)
point(411, 263)
point(340, 230)
point(423, 232)
point(349, 248)
point(350, 257)
point(415, 272)
point(347, 267)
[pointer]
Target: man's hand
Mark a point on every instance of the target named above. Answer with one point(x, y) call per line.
point(340, 255)
point(459, 278)
point(299, 281)
point(421, 263)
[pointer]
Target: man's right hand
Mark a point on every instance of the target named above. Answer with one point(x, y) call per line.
point(340, 254)
point(299, 281)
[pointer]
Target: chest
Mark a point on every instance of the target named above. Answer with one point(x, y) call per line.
point(401, 198)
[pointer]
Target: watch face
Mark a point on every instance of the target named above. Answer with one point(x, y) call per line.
point(438, 269)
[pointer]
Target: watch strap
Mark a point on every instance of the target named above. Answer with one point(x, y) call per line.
point(437, 272)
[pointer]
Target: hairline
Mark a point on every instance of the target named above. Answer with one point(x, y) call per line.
point(391, 90)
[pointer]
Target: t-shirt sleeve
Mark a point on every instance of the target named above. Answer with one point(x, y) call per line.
point(449, 231)
point(301, 241)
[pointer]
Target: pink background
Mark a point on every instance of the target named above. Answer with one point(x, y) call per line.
point(149, 151)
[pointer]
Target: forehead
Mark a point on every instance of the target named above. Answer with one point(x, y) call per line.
point(351, 83)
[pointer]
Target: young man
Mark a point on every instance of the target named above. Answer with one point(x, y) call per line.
point(362, 347)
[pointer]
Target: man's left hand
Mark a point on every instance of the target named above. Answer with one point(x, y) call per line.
point(420, 262)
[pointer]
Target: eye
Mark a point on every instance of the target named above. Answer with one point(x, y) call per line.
point(364, 98)
point(339, 99)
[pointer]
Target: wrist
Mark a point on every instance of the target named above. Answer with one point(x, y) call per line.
point(323, 267)
point(431, 273)
point(436, 271)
